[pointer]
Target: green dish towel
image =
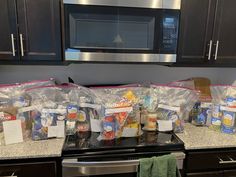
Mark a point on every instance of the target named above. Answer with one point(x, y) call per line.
point(163, 166)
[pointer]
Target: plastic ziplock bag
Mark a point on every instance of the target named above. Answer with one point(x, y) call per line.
point(188, 83)
point(119, 115)
point(218, 93)
point(230, 96)
point(84, 111)
point(174, 104)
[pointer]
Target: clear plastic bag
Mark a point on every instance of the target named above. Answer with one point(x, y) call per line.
point(188, 83)
point(47, 110)
point(230, 96)
point(120, 118)
point(218, 93)
point(71, 103)
point(174, 103)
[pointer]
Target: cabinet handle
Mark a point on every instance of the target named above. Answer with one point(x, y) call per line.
point(210, 48)
point(21, 45)
point(227, 161)
point(13, 45)
point(217, 47)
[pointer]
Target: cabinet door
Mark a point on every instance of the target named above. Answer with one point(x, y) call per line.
point(29, 170)
point(39, 28)
point(196, 24)
point(225, 32)
point(8, 30)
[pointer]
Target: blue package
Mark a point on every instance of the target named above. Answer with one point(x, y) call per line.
point(230, 101)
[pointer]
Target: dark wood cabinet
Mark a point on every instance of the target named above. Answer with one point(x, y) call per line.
point(36, 28)
point(207, 32)
point(211, 163)
point(42, 167)
point(229, 173)
point(224, 35)
point(8, 30)
point(47, 169)
point(196, 25)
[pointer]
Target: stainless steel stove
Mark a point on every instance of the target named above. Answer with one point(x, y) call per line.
point(84, 155)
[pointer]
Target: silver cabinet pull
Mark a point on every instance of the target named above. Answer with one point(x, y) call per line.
point(13, 45)
point(217, 47)
point(230, 161)
point(21, 45)
point(210, 48)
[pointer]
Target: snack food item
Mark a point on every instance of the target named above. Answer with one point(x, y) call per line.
point(151, 121)
point(228, 120)
point(109, 128)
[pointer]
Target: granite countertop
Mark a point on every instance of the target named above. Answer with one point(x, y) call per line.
point(195, 137)
point(32, 149)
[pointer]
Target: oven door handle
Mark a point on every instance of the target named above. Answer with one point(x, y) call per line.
point(76, 163)
point(73, 167)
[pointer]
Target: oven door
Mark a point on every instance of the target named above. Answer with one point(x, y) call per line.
point(123, 32)
point(128, 167)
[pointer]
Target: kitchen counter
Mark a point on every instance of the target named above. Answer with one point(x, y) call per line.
point(204, 138)
point(32, 149)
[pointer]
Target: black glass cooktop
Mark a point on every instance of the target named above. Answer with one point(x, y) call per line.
point(89, 142)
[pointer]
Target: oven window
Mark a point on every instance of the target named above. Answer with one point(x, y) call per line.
point(111, 28)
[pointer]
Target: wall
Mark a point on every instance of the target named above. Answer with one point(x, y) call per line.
point(89, 74)
point(226, 75)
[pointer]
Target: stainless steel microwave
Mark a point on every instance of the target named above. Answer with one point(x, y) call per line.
point(121, 30)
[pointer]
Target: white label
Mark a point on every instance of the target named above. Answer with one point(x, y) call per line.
point(12, 132)
point(29, 108)
point(165, 125)
point(52, 131)
point(205, 105)
point(118, 110)
point(172, 108)
point(60, 129)
point(87, 105)
point(130, 132)
point(96, 125)
point(56, 111)
point(57, 131)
